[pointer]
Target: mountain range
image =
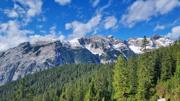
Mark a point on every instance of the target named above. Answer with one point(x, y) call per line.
point(28, 58)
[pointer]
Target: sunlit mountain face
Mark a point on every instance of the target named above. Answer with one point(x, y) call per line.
point(51, 20)
point(89, 50)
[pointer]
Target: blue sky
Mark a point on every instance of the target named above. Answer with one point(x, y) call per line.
point(29, 20)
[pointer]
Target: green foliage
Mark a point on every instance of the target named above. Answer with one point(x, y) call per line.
point(140, 78)
point(144, 44)
point(132, 66)
point(121, 80)
point(64, 83)
point(150, 76)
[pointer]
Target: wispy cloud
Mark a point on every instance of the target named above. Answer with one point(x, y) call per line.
point(52, 36)
point(110, 22)
point(144, 10)
point(175, 33)
point(11, 34)
point(11, 13)
point(63, 2)
point(81, 29)
point(101, 9)
point(159, 27)
point(46, 38)
point(25, 10)
point(32, 8)
point(95, 2)
point(35, 7)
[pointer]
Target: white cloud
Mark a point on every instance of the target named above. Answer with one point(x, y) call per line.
point(34, 6)
point(51, 37)
point(25, 10)
point(159, 27)
point(46, 38)
point(100, 10)
point(126, 1)
point(81, 29)
point(175, 33)
point(164, 6)
point(53, 30)
point(63, 2)
point(30, 8)
point(110, 22)
point(11, 35)
point(11, 13)
point(95, 2)
point(144, 10)
point(12, 32)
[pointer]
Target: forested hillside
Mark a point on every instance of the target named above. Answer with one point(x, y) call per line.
point(146, 77)
point(65, 83)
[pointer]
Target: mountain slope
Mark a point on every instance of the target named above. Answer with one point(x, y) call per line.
point(155, 42)
point(160, 70)
point(59, 81)
point(28, 58)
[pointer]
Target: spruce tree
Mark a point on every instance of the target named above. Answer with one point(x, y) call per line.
point(144, 44)
point(146, 77)
point(121, 80)
point(132, 66)
point(168, 66)
point(177, 73)
point(20, 93)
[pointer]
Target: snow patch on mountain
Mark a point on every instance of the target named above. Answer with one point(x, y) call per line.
point(163, 42)
point(28, 58)
point(94, 50)
point(136, 49)
point(74, 43)
point(155, 42)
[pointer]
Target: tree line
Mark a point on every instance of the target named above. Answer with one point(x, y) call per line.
point(145, 77)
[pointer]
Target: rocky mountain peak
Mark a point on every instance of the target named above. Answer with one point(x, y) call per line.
point(154, 42)
point(28, 58)
point(156, 37)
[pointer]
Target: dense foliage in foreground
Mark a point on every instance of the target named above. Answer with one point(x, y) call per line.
point(148, 77)
point(141, 78)
point(65, 83)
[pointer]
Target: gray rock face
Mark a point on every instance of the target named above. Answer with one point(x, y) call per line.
point(107, 48)
point(155, 42)
point(29, 58)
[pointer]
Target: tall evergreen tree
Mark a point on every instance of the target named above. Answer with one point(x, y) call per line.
point(168, 66)
point(91, 93)
point(144, 44)
point(177, 73)
point(121, 82)
point(132, 66)
point(158, 75)
point(146, 77)
point(20, 93)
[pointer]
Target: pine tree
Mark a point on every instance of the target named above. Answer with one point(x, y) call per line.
point(46, 96)
point(144, 44)
point(157, 66)
point(20, 91)
point(132, 66)
point(146, 76)
point(91, 94)
point(121, 80)
point(168, 66)
point(177, 73)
